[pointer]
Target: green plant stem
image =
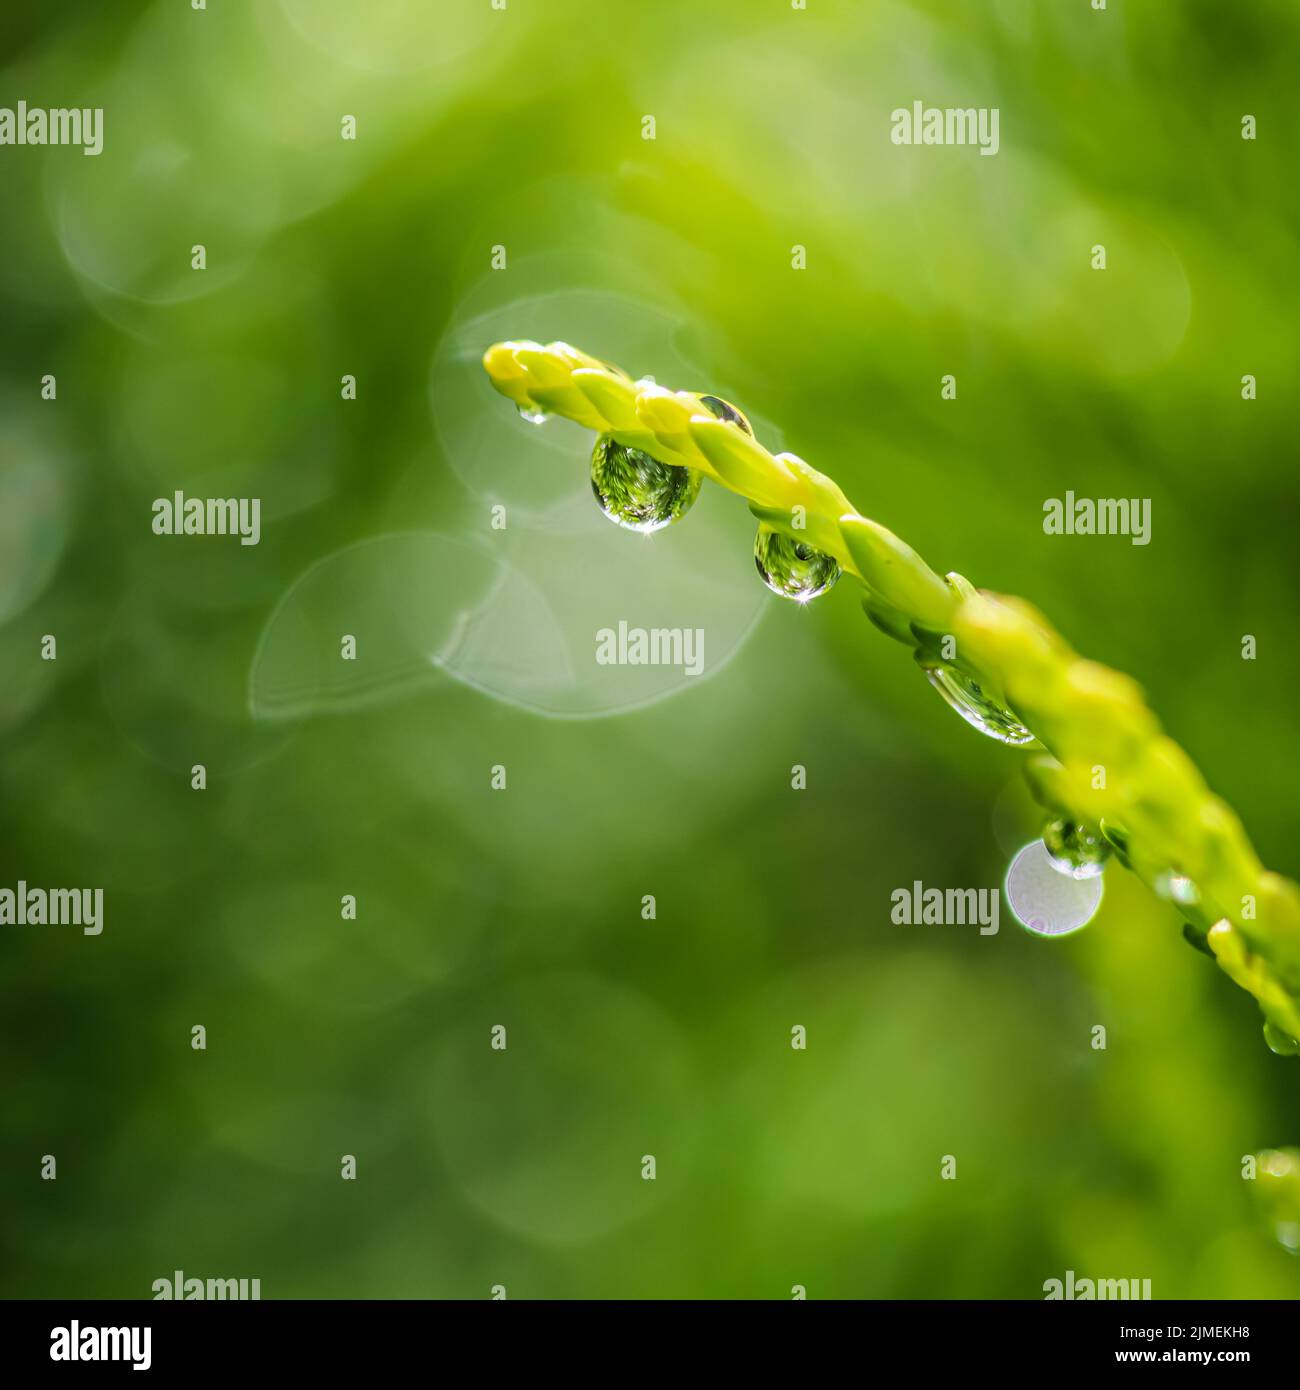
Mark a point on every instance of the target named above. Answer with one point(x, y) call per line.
point(1102, 759)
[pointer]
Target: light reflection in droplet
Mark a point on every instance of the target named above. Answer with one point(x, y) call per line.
point(638, 492)
point(1074, 850)
point(1045, 901)
point(793, 569)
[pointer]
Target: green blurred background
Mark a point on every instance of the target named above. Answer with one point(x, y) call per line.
point(522, 128)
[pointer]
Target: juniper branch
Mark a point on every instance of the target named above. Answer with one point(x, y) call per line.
point(1101, 759)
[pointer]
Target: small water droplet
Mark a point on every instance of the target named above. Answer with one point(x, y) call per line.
point(791, 568)
point(1278, 1041)
point(1046, 901)
point(1074, 850)
point(533, 415)
point(1184, 891)
point(965, 694)
point(638, 492)
point(1178, 887)
point(724, 410)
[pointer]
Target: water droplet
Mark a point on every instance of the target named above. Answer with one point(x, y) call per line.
point(1178, 887)
point(1278, 1041)
point(965, 694)
point(1184, 891)
point(724, 410)
point(792, 568)
point(1044, 900)
point(533, 415)
point(639, 492)
point(1074, 850)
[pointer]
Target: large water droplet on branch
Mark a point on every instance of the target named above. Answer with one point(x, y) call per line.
point(638, 492)
point(793, 568)
point(979, 709)
point(1074, 850)
point(1278, 1041)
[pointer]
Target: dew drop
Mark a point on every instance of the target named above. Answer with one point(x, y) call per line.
point(1183, 890)
point(533, 415)
point(1074, 850)
point(1178, 887)
point(638, 492)
point(1278, 1041)
point(1046, 902)
point(965, 694)
point(724, 410)
point(791, 568)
